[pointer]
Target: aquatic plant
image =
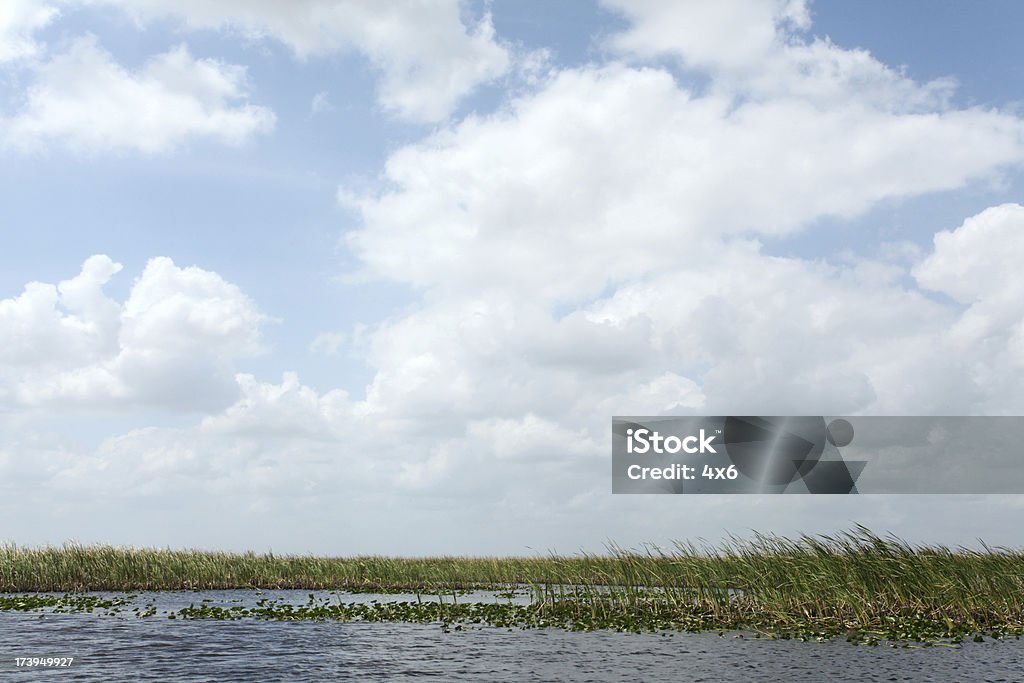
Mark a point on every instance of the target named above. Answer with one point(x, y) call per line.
point(854, 584)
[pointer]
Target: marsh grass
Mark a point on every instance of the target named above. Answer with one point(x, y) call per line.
point(854, 584)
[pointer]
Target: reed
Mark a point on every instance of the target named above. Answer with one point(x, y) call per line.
point(854, 583)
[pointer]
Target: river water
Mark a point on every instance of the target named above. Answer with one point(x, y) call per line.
point(127, 648)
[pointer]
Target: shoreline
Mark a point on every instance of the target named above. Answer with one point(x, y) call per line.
point(854, 584)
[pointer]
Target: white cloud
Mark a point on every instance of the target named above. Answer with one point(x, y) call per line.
point(614, 193)
point(287, 409)
point(979, 265)
point(608, 174)
point(755, 49)
point(19, 21)
point(590, 250)
point(981, 259)
point(35, 332)
point(171, 344)
point(499, 408)
point(427, 57)
point(84, 99)
point(278, 440)
point(739, 34)
point(186, 311)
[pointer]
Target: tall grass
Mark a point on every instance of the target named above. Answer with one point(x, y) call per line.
point(854, 579)
point(106, 568)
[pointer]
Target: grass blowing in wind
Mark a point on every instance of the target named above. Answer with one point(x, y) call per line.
point(854, 584)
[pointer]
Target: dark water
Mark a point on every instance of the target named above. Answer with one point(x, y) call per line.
point(126, 648)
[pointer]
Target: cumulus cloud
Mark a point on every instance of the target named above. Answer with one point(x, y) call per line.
point(978, 265)
point(34, 331)
point(590, 250)
point(84, 99)
point(428, 58)
point(762, 48)
point(722, 35)
point(171, 343)
point(980, 259)
point(19, 22)
point(594, 239)
point(499, 408)
point(610, 173)
point(278, 440)
point(752, 333)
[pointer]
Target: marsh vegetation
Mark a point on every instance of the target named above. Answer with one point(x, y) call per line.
point(855, 585)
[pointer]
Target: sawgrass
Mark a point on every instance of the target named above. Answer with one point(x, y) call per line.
point(854, 583)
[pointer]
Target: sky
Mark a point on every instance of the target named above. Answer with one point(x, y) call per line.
point(344, 277)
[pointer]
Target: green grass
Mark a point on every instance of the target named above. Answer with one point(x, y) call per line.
point(854, 584)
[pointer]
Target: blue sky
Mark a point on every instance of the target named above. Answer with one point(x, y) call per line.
point(386, 272)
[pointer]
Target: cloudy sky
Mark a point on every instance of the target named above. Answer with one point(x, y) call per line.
point(352, 277)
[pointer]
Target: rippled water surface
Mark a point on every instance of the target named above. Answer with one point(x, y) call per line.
point(127, 648)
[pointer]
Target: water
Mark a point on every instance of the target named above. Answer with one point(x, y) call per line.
point(126, 648)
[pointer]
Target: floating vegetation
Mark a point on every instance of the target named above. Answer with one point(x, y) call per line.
point(853, 585)
point(66, 603)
